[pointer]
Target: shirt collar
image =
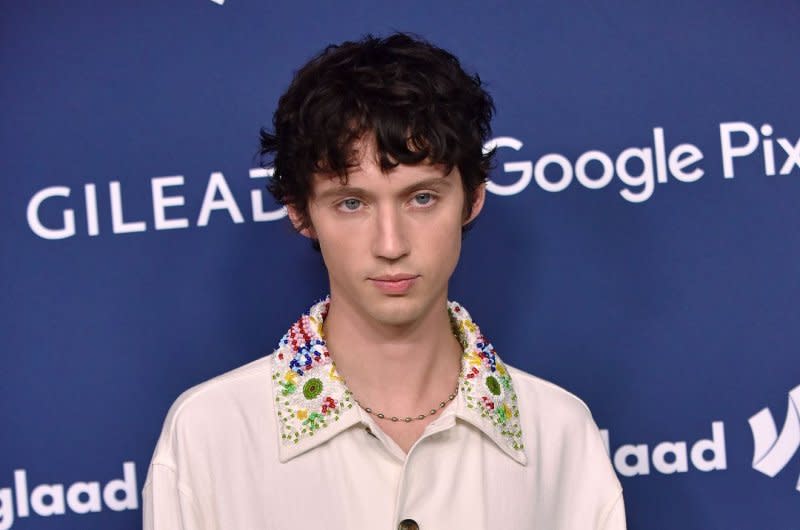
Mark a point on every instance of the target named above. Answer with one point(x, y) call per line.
point(312, 403)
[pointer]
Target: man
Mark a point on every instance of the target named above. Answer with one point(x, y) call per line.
point(385, 406)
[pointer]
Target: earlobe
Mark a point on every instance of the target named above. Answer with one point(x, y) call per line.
point(477, 203)
point(296, 219)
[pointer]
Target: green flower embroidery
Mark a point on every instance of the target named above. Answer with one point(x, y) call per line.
point(288, 388)
point(506, 382)
point(502, 413)
point(312, 388)
point(314, 419)
point(493, 385)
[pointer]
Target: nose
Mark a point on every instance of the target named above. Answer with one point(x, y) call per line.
point(390, 238)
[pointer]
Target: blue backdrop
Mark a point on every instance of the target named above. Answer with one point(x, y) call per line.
point(640, 246)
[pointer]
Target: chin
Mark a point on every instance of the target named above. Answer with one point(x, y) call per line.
point(398, 310)
point(397, 318)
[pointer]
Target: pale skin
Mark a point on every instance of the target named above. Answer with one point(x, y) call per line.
point(390, 242)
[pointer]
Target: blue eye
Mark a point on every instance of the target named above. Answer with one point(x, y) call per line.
point(423, 198)
point(351, 204)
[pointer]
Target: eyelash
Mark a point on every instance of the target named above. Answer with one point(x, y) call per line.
point(431, 200)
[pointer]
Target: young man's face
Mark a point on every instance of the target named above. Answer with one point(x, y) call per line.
point(390, 241)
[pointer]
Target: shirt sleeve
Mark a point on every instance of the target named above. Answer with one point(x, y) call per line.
point(615, 519)
point(166, 504)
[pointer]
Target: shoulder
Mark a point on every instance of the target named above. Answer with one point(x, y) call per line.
point(564, 442)
point(231, 387)
point(547, 400)
point(223, 404)
point(202, 437)
point(555, 420)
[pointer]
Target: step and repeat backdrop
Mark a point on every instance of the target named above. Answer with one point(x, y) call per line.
point(640, 246)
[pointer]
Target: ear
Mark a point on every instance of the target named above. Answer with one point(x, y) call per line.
point(477, 203)
point(296, 217)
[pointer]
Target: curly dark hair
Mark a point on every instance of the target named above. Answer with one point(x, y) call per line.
point(411, 96)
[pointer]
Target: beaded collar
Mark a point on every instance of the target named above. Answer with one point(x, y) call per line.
point(312, 403)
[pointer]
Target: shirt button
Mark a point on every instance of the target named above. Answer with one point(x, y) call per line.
point(408, 524)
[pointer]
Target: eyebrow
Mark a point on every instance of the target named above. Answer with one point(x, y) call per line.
point(342, 190)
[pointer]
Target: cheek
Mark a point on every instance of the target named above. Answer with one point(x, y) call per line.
point(443, 243)
point(343, 232)
point(343, 247)
point(336, 249)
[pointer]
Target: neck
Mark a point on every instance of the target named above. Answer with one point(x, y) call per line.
point(400, 369)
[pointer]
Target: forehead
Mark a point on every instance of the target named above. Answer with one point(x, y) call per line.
point(370, 177)
point(367, 174)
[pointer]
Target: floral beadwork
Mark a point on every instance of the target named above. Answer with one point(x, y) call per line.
point(493, 385)
point(312, 388)
point(485, 382)
point(310, 395)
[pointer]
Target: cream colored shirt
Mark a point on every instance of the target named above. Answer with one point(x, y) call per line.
point(279, 444)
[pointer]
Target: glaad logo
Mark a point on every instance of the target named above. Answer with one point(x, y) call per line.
point(81, 497)
point(771, 452)
point(707, 454)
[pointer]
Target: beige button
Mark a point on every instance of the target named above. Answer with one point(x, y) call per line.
point(408, 524)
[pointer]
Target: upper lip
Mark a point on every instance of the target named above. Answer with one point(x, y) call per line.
point(393, 277)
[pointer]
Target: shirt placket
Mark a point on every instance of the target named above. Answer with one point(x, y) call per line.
point(404, 515)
